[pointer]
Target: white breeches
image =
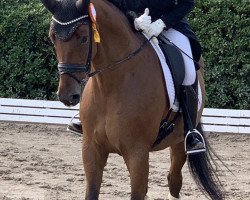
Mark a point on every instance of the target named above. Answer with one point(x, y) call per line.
point(183, 43)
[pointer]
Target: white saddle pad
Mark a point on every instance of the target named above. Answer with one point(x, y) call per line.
point(174, 104)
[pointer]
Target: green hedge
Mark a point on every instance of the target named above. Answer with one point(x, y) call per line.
point(28, 65)
point(224, 32)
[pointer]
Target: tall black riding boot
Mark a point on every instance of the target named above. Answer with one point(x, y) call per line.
point(194, 141)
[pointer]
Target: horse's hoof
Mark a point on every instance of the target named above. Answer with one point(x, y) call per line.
point(170, 197)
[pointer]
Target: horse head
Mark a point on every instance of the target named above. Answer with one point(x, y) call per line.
point(71, 34)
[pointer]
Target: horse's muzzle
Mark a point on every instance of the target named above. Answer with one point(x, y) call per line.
point(70, 100)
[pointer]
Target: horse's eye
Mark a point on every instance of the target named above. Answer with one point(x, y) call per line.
point(84, 39)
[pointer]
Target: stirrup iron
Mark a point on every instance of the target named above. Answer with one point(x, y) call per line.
point(71, 122)
point(196, 150)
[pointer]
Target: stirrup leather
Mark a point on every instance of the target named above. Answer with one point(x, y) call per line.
point(196, 150)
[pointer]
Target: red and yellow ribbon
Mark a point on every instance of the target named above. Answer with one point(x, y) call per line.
point(92, 14)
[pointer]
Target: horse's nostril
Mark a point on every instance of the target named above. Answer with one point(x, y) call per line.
point(76, 97)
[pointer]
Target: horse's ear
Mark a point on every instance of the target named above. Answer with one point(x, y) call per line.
point(79, 5)
point(51, 5)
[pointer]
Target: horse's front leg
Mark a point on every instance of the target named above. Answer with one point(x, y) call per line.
point(94, 160)
point(137, 161)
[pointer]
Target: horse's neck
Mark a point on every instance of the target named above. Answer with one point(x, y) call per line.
point(133, 77)
point(117, 38)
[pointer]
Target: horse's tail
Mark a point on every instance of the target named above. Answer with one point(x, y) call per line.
point(201, 166)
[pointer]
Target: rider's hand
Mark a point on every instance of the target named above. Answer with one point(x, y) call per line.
point(143, 22)
point(155, 28)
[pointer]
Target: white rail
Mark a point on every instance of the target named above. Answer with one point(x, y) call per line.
point(35, 111)
point(226, 120)
point(54, 112)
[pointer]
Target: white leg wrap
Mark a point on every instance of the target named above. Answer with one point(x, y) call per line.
point(170, 197)
point(146, 197)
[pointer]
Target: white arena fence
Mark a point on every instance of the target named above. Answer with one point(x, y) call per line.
point(54, 112)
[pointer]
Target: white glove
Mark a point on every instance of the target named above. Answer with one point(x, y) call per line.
point(155, 28)
point(143, 22)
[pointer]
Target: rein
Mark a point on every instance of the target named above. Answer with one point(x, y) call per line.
point(113, 65)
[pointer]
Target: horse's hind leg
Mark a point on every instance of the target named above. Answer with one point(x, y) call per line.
point(137, 162)
point(94, 160)
point(178, 158)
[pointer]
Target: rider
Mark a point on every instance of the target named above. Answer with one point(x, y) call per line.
point(167, 17)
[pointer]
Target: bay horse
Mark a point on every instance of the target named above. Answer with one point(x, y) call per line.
point(119, 83)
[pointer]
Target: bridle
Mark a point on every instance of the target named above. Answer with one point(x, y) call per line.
point(69, 69)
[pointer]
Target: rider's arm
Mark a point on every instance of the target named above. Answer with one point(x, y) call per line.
point(175, 11)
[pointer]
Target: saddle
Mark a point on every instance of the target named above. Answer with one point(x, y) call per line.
point(176, 65)
point(175, 62)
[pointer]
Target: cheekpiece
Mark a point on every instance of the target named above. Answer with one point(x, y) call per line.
point(67, 18)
